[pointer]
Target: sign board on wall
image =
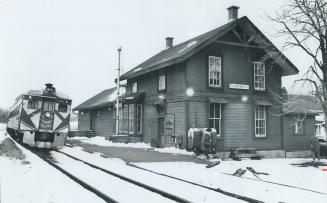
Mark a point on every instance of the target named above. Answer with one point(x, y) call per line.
point(169, 124)
point(239, 86)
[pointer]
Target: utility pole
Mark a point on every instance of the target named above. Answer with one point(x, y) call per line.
point(118, 87)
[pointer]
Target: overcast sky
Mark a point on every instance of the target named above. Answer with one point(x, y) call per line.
point(73, 43)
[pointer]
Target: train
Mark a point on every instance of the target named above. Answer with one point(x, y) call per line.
point(40, 118)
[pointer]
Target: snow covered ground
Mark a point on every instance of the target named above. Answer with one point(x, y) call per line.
point(281, 171)
point(37, 181)
point(100, 141)
point(32, 180)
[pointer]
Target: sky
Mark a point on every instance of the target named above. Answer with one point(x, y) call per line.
point(73, 43)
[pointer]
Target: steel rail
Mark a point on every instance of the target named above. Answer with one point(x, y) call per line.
point(140, 184)
point(247, 199)
point(87, 186)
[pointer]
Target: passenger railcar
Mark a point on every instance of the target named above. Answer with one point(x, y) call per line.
point(40, 118)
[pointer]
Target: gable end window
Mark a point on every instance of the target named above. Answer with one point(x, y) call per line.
point(259, 76)
point(260, 121)
point(214, 66)
point(162, 82)
point(215, 117)
point(134, 87)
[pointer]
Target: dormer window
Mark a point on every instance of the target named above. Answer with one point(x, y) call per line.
point(214, 67)
point(162, 82)
point(134, 87)
point(259, 76)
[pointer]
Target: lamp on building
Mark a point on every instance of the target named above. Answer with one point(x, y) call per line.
point(189, 91)
point(244, 98)
point(161, 96)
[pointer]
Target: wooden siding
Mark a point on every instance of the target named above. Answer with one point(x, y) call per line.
point(294, 142)
point(104, 122)
point(178, 109)
point(237, 68)
point(84, 121)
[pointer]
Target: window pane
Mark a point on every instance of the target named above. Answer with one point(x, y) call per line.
point(33, 104)
point(162, 82)
point(217, 110)
point(212, 110)
point(211, 123)
point(62, 108)
point(134, 87)
point(217, 125)
point(259, 75)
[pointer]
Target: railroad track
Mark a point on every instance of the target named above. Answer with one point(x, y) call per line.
point(233, 195)
point(93, 189)
point(48, 158)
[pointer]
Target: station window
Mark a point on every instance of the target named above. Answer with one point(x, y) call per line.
point(134, 87)
point(139, 118)
point(260, 121)
point(259, 76)
point(162, 82)
point(215, 117)
point(299, 128)
point(33, 104)
point(214, 67)
point(62, 108)
point(131, 118)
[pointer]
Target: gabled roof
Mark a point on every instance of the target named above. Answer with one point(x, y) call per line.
point(102, 99)
point(302, 104)
point(182, 51)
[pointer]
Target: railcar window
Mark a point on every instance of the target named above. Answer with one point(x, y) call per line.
point(33, 104)
point(47, 106)
point(62, 108)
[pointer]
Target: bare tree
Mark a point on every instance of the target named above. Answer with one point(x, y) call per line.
point(304, 26)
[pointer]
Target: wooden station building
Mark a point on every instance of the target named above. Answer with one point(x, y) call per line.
point(224, 79)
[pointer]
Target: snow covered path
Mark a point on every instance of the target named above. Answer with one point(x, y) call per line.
point(178, 188)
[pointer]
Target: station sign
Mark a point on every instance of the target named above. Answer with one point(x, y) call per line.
point(239, 86)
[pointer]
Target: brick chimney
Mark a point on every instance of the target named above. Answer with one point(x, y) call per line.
point(232, 13)
point(169, 42)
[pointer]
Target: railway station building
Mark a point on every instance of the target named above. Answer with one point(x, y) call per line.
point(226, 79)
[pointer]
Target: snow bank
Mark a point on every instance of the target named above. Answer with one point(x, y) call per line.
point(101, 141)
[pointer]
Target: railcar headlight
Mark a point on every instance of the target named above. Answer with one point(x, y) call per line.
point(47, 114)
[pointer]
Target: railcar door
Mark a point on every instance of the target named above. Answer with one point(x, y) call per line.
point(47, 114)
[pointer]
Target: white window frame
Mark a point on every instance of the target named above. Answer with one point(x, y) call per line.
point(215, 117)
point(134, 87)
point(131, 118)
point(259, 76)
point(139, 119)
point(162, 82)
point(260, 116)
point(214, 71)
